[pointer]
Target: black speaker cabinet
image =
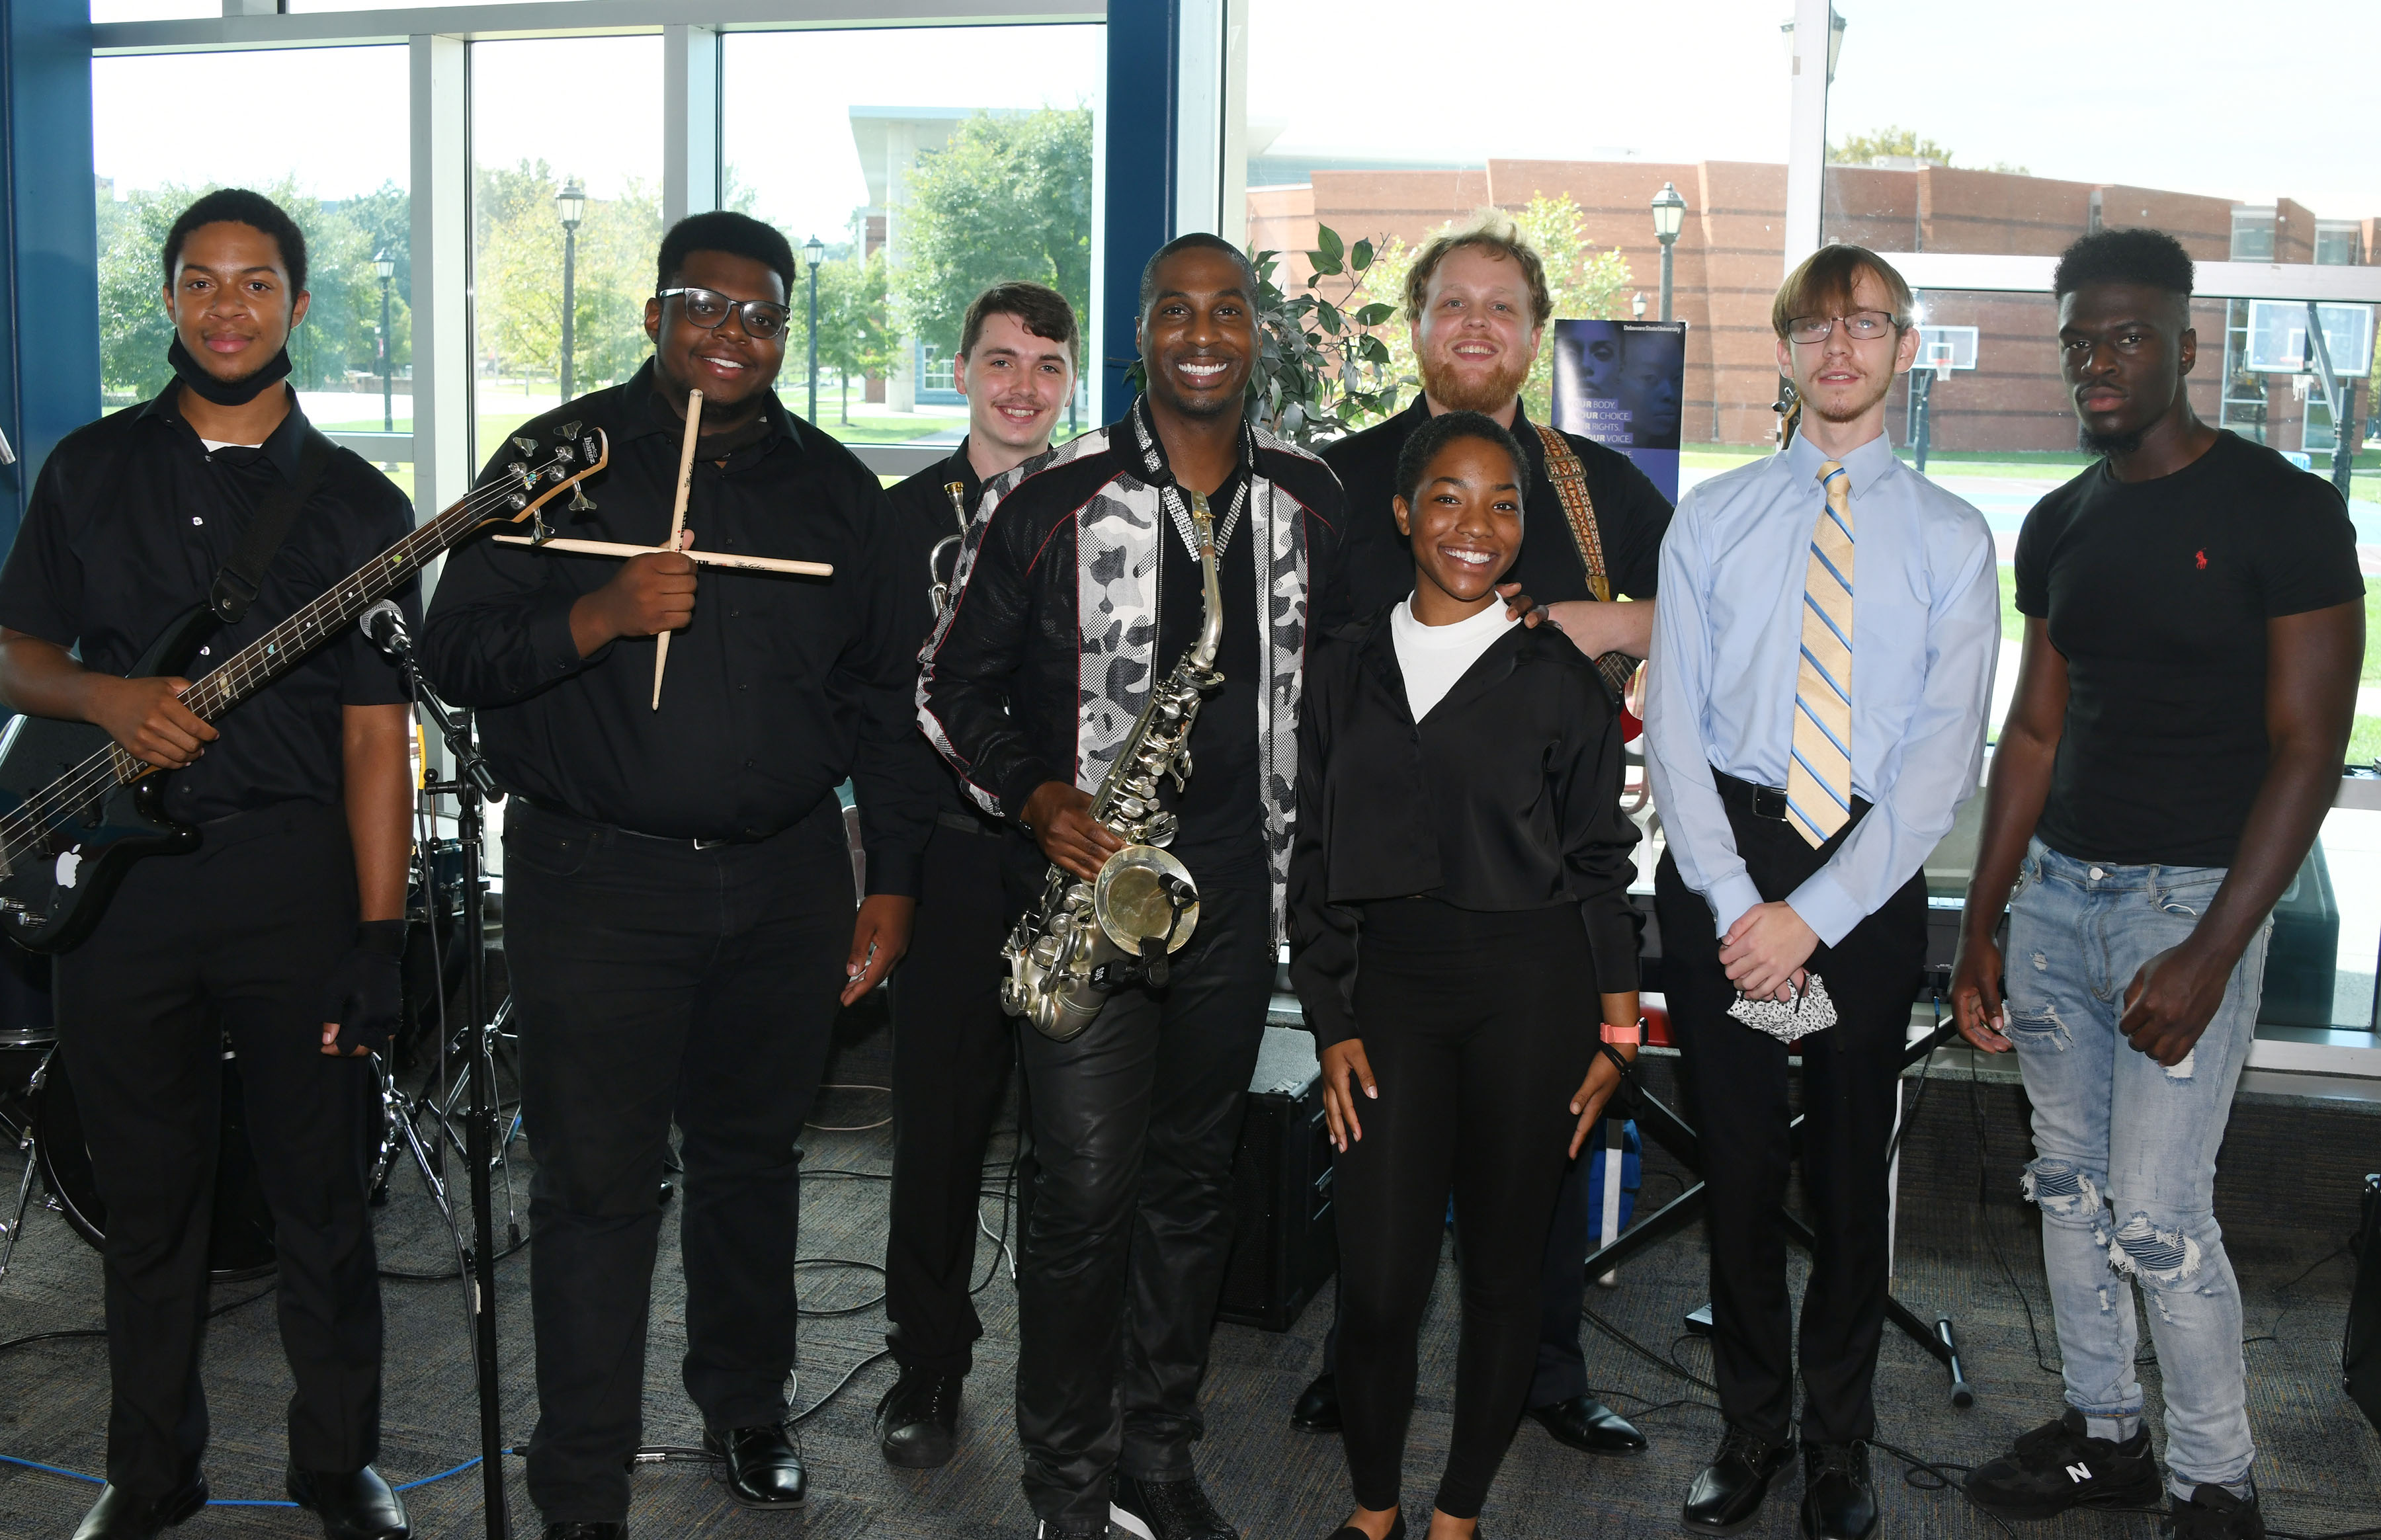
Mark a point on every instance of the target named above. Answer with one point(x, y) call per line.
point(1284, 1243)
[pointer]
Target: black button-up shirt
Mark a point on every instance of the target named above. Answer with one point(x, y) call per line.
point(780, 689)
point(1632, 516)
point(130, 522)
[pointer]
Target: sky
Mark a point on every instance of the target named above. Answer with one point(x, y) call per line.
point(2202, 96)
point(2213, 98)
point(788, 96)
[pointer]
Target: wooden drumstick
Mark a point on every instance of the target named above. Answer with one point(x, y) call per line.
point(696, 554)
point(677, 521)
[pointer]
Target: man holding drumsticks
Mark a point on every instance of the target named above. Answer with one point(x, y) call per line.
point(678, 893)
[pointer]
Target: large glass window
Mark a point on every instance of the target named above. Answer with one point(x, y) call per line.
point(344, 179)
point(562, 201)
point(928, 165)
point(1567, 119)
point(1944, 137)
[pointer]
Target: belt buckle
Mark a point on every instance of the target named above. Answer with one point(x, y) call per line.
point(1768, 802)
point(709, 844)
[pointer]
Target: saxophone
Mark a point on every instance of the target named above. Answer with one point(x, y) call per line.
point(1085, 940)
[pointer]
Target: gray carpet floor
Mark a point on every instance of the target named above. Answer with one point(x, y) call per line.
point(2319, 1463)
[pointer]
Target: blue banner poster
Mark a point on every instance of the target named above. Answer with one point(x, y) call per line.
point(1620, 384)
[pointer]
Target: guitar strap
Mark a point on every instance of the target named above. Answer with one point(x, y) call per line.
point(1570, 478)
point(237, 585)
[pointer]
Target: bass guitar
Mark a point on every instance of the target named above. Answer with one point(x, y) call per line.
point(77, 810)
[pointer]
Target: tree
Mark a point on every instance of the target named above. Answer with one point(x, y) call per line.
point(519, 277)
point(1893, 141)
point(1009, 198)
point(855, 323)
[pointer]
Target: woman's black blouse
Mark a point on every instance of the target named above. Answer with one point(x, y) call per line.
point(1505, 797)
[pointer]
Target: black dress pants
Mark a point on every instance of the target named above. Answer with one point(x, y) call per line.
point(1135, 1120)
point(1737, 1079)
point(1562, 1292)
point(1479, 1028)
point(953, 1047)
point(231, 942)
point(657, 982)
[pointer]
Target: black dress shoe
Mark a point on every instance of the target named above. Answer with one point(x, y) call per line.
point(1838, 1501)
point(763, 1469)
point(1167, 1510)
point(1584, 1423)
point(353, 1504)
point(1727, 1493)
point(1397, 1530)
point(917, 1422)
point(579, 1529)
point(118, 1515)
point(1318, 1406)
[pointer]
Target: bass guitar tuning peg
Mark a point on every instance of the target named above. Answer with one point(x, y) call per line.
point(539, 530)
point(568, 430)
point(527, 446)
point(579, 502)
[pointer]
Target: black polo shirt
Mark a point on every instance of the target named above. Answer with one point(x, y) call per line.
point(781, 688)
point(1631, 515)
point(130, 520)
point(926, 517)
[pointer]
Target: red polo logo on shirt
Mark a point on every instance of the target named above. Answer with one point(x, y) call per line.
point(2203, 560)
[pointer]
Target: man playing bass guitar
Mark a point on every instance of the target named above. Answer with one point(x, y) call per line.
point(280, 934)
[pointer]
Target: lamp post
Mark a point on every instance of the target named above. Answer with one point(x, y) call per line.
point(385, 265)
point(571, 204)
point(1637, 304)
point(814, 252)
point(1669, 218)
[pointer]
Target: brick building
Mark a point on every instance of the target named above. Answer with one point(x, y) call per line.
point(1730, 255)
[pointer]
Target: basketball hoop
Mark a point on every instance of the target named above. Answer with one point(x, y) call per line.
point(1940, 359)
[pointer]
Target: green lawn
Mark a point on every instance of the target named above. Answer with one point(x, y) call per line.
point(2364, 739)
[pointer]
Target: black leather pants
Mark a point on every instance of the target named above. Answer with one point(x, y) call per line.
point(1134, 1125)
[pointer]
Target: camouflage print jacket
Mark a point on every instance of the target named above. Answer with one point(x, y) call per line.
point(1045, 650)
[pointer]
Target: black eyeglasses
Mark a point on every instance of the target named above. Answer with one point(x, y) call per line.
point(708, 308)
point(1860, 326)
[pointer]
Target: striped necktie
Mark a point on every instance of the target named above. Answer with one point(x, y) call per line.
point(1819, 782)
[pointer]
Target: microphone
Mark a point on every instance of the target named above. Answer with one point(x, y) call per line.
point(384, 627)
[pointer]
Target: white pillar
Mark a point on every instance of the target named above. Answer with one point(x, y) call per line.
point(1806, 150)
point(690, 161)
point(442, 266)
point(1199, 102)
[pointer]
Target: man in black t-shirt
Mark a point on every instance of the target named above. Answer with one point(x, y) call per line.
point(1078, 590)
point(275, 944)
point(953, 1046)
point(2195, 633)
point(1478, 305)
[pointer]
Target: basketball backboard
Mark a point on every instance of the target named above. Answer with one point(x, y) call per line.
point(1960, 340)
point(2277, 337)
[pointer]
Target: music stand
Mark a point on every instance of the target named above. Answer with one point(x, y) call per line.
point(1655, 1117)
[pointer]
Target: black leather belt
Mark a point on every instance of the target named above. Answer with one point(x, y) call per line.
point(1750, 796)
point(555, 810)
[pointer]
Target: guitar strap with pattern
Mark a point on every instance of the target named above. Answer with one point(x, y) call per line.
point(1570, 478)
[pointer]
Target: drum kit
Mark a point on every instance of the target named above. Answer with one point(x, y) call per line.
point(39, 1116)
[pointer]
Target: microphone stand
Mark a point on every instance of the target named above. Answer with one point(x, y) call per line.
point(472, 787)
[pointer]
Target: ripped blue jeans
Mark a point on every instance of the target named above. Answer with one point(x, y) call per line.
point(2125, 1148)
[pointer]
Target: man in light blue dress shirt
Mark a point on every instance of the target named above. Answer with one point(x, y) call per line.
point(1822, 664)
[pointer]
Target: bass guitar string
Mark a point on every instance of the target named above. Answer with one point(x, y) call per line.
point(23, 827)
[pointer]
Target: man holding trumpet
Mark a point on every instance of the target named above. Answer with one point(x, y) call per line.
point(678, 890)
